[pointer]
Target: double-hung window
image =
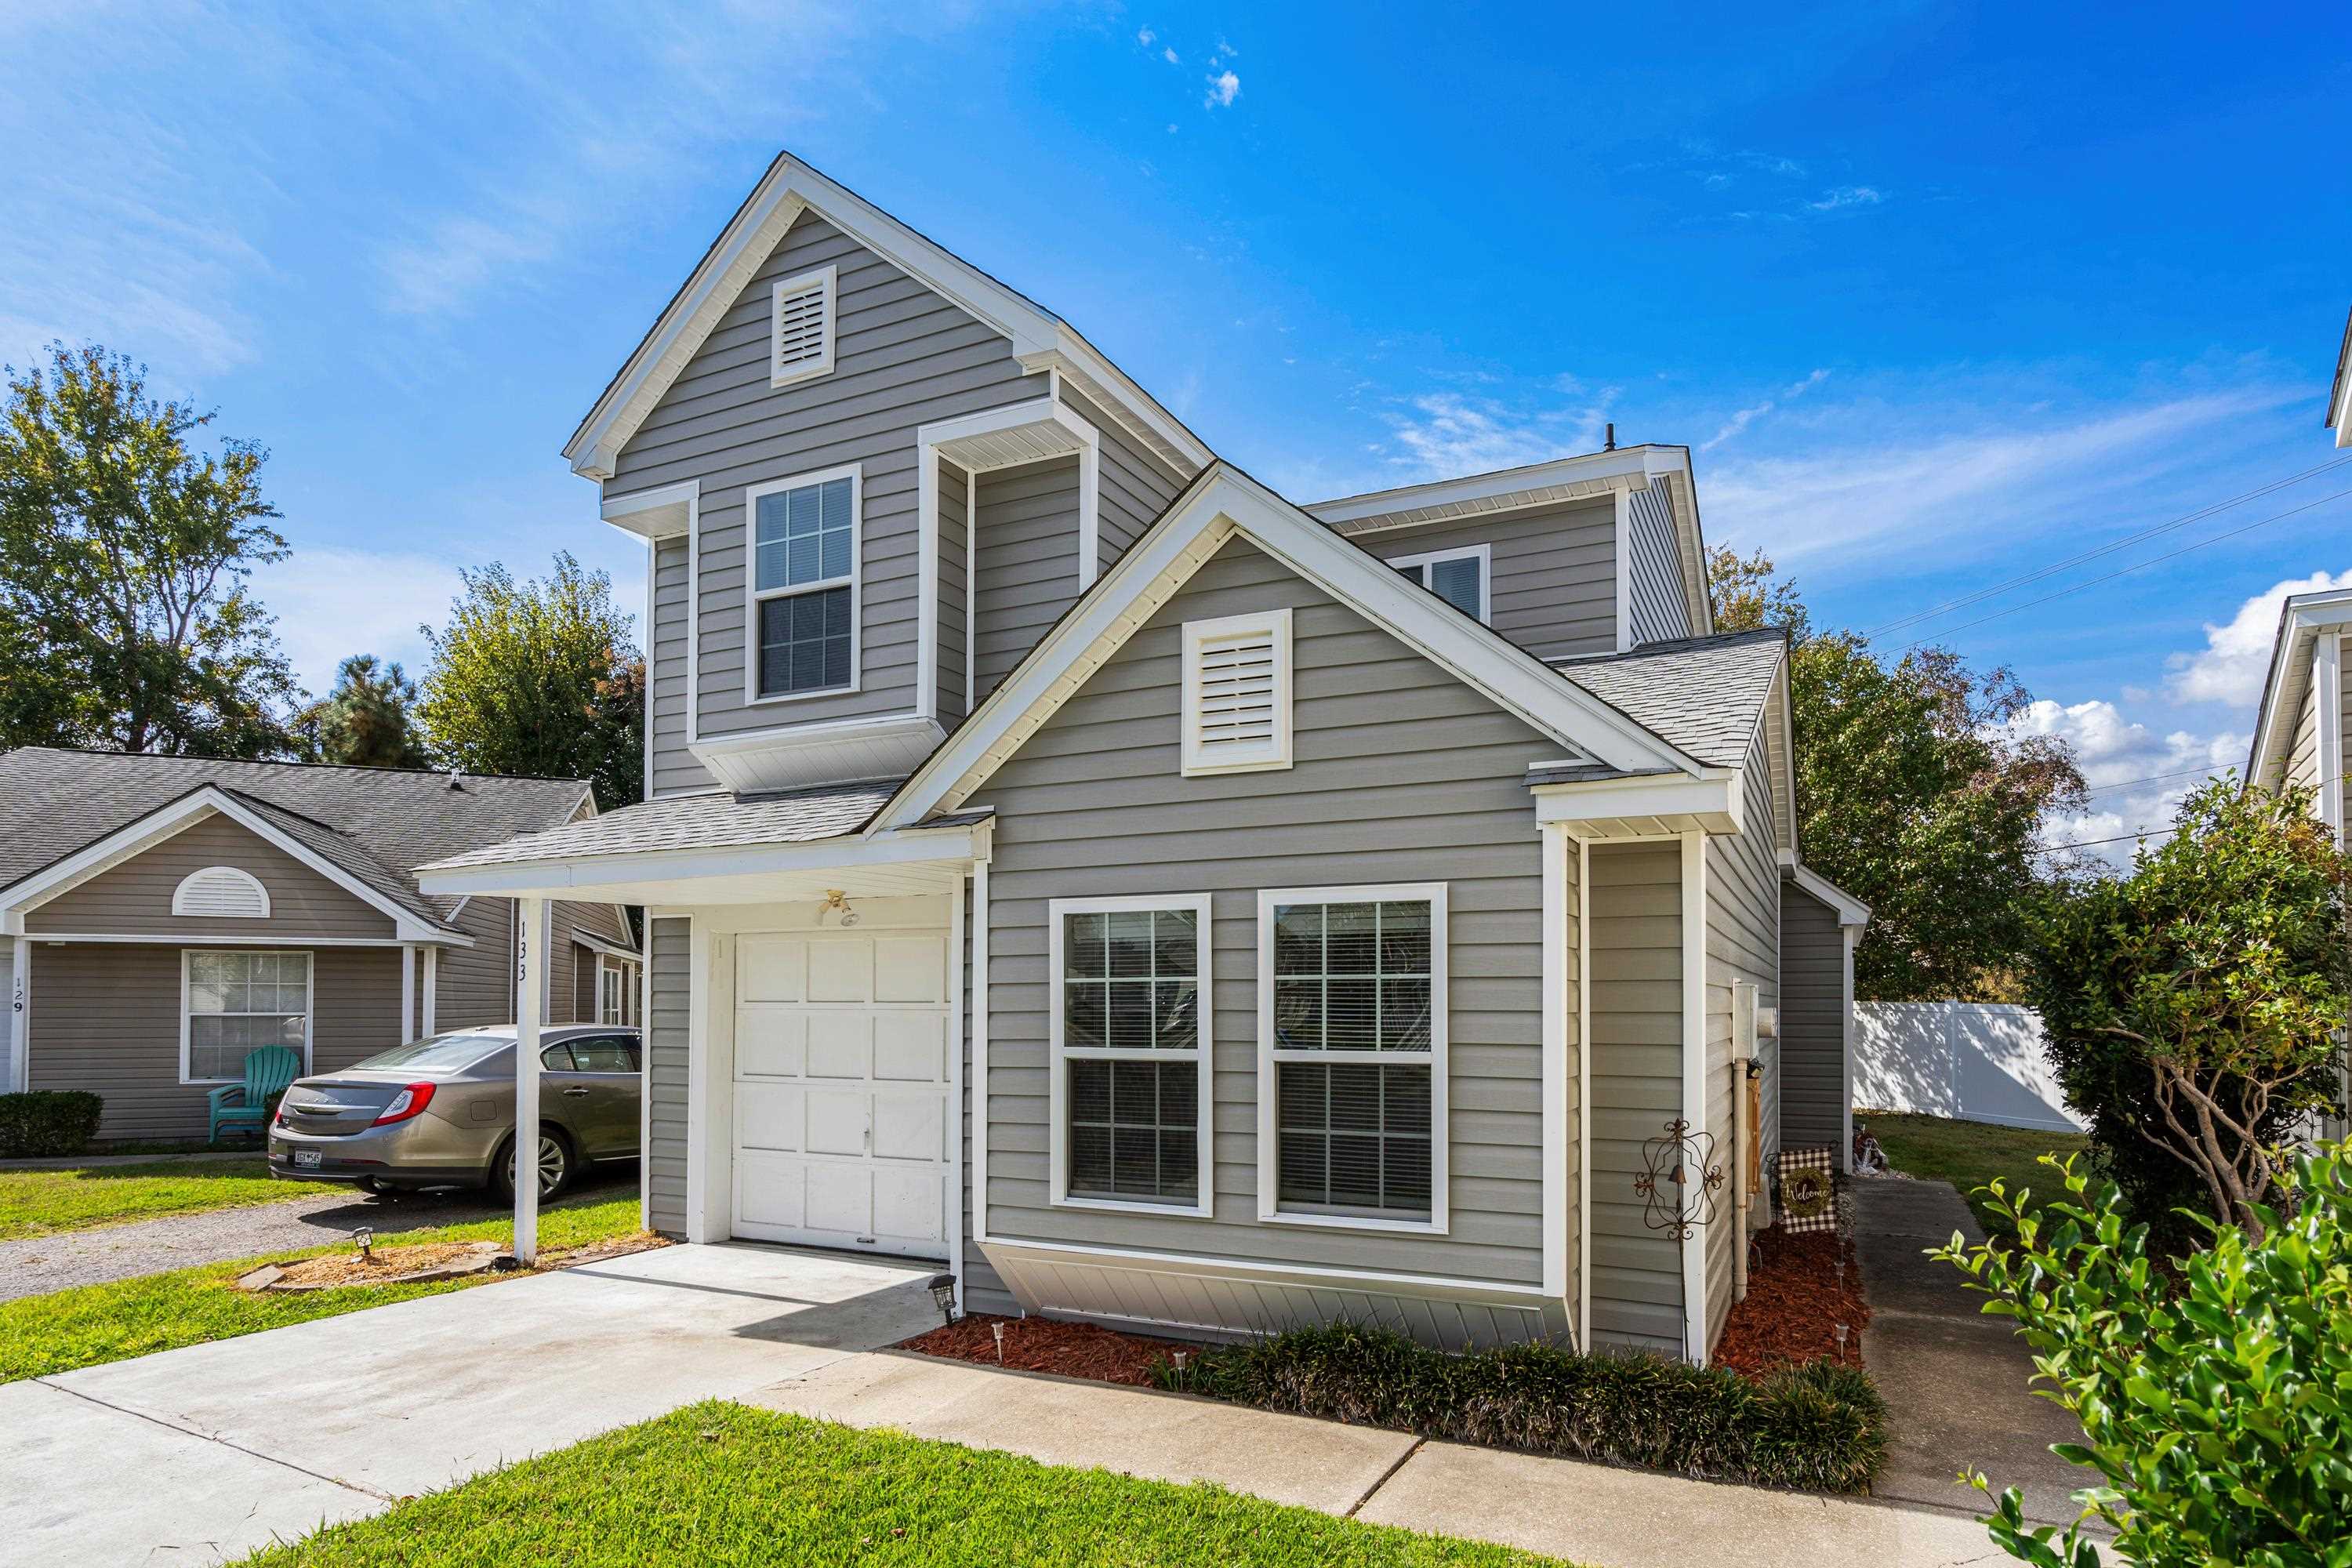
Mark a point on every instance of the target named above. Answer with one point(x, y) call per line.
point(1130, 1038)
point(1460, 577)
point(238, 1003)
point(802, 588)
point(1351, 1057)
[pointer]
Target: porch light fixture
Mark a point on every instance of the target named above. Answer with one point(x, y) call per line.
point(943, 1295)
point(835, 899)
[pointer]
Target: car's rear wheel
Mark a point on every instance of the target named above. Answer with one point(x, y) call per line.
point(556, 1167)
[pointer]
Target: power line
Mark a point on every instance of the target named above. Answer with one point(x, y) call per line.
point(2128, 571)
point(2125, 543)
point(2155, 778)
point(2119, 838)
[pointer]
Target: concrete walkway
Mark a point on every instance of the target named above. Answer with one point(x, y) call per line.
point(1957, 1381)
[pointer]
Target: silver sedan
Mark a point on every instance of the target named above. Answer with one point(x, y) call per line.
point(440, 1112)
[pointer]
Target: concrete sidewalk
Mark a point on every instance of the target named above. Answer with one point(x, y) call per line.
point(1590, 1514)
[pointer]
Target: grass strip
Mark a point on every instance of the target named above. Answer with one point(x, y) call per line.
point(719, 1483)
point(93, 1324)
point(43, 1202)
point(1970, 1153)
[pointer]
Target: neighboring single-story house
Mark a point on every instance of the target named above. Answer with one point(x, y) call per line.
point(159, 917)
point(1160, 902)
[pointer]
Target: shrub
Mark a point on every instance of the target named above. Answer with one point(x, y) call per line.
point(2214, 1408)
point(1820, 1427)
point(48, 1123)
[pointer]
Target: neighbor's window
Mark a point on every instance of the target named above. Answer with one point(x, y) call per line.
point(1457, 576)
point(804, 585)
point(237, 1004)
point(1131, 1051)
point(1352, 1055)
point(612, 991)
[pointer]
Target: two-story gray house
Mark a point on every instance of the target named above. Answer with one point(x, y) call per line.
point(1163, 902)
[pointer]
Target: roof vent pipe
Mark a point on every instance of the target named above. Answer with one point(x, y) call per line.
point(1609, 436)
point(457, 778)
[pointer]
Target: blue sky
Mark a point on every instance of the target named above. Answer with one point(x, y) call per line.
point(1940, 295)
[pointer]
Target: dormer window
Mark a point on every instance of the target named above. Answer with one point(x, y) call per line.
point(800, 328)
point(1236, 711)
point(1457, 576)
point(802, 596)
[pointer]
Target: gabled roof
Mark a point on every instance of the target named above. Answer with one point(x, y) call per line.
point(694, 822)
point(1221, 504)
point(374, 826)
point(1041, 340)
point(1850, 910)
point(2340, 393)
point(1706, 695)
point(2301, 620)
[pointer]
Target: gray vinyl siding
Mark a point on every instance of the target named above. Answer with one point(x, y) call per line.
point(1402, 775)
point(1555, 588)
point(1743, 943)
point(136, 897)
point(1637, 1052)
point(904, 356)
point(674, 767)
point(670, 953)
point(475, 985)
point(106, 1019)
point(1136, 485)
point(1027, 563)
point(1655, 603)
point(1812, 1022)
point(955, 534)
point(2302, 756)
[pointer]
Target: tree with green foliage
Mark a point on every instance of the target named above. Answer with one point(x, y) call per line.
point(365, 720)
point(538, 678)
point(2193, 1008)
point(126, 616)
point(1913, 793)
point(2215, 1396)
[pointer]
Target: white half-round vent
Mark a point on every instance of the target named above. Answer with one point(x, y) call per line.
point(221, 893)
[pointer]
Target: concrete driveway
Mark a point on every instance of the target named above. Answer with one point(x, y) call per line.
point(201, 1454)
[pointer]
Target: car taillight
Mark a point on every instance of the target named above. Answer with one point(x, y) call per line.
point(408, 1103)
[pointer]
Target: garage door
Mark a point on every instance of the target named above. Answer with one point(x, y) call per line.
point(841, 1091)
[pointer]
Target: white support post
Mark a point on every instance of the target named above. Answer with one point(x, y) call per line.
point(956, 993)
point(981, 848)
point(20, 1017)
point(1695, 1082)
point(1553, 845)
point(432, 988)
point(531, 968)
point(1584, 1095)
point(407, 993)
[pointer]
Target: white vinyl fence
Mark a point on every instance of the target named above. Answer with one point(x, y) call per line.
point(1978, 1061)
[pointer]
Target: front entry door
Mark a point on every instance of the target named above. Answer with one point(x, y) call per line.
point(841, 1122)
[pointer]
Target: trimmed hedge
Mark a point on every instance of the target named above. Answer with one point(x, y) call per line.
point(1820, 1428)
point(48, 1123)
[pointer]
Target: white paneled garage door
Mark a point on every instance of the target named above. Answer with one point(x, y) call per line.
point(841, 1091)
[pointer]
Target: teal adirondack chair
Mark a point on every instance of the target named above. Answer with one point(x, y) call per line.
point(267, 1071)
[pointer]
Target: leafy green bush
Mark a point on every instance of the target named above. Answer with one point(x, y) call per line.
point(1820, 1428)
point(48, 1123)
point(2215, 1406)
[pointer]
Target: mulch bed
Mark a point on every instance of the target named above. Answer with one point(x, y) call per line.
point(1041, 1344)
point(1800, 1290)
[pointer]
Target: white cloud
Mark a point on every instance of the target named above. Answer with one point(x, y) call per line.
point(333, 603)
point(2136, 777)
point(1171, 56)
point(1447, 434)
point(1223, 88)
point(1744, 417)
point(1146, 37)
point(2235, 660)
point(1847, 196)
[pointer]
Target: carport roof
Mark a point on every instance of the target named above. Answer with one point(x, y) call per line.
point(716, 821)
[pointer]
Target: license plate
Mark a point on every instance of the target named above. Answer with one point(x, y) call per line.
point(306, 1159)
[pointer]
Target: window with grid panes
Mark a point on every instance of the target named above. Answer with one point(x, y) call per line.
point(805, 546)
point(1129, 994)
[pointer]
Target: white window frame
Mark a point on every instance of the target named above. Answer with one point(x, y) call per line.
point(1059, 1055)
point(310, 1007)
point(616, 976)
point(1193, 762)
point(1482, 553)
point(1269, 1152)
point(180, 894)
point(825, 278)
point(754, 596)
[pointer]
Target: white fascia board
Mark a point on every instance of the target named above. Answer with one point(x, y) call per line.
point(1117, 393)
point(2301, 618)
point(1852, 912)
point(1222, 502)
point(550, 878)
point(1716, 798)
point(1626, 462)
point(665, 511)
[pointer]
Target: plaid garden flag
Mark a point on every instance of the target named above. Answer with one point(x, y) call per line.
point(1808, 1200)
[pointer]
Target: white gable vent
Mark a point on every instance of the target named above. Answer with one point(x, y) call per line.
point(800, 332)
point(221, 893)
point(1237, 694)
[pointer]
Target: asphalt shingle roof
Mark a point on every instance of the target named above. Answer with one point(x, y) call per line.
point(1701, 694)
point(696, 822)
point(378, 824)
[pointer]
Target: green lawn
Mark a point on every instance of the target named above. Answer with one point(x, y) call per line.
point(91, 1324)
point(725, 1484)
point(40, 1203)
point(1970, 1153)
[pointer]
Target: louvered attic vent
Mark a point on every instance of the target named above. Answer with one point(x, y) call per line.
point(800, 336)
point(221, 892)
point(1237, 694)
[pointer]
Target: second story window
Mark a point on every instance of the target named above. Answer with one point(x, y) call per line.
point(1459, 577)
point(804, 585)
